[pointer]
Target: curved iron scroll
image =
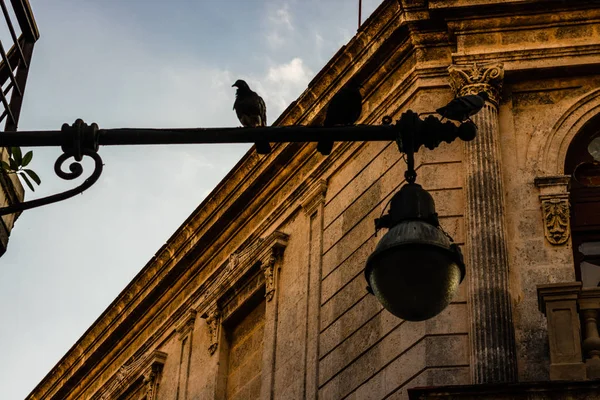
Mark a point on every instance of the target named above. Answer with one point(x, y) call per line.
point(76, 170)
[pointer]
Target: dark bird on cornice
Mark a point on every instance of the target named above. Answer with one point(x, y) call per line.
point(251, 110)
point(462, 108)
point(344, 109)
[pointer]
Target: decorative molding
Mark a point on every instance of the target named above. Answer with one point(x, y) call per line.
point(213, 320)
point(149, 367)
point(272, 254)
point(268, 269)
point(547, 184)
point(554, 200)
point(314, 197)
point(186, 325)
point(242, 256)
point(547, 151)
point(152, 380)
point(467, 80)
point(266, 251)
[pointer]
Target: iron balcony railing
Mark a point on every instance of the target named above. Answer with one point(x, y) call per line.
point(14, 66)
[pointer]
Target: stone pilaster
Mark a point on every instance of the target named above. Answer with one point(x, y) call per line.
point(493, 354)
point(313, 204)
point(271, 261)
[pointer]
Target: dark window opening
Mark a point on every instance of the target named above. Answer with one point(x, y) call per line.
point(583, 165)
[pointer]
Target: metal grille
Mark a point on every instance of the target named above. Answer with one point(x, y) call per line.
point(14, 65)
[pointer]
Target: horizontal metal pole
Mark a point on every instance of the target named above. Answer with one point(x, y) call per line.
point(274, 134)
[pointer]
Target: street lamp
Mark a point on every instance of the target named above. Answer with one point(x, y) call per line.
point(414, 270)
point(416, 267)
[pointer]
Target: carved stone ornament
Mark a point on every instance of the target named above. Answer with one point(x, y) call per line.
point(554, 199)
point(556, 218)
point(149, 366)
point(241, 257)
point(477, 78)
point(268, 267)
point(213, 320)
point(269, 258)
point(150, 383)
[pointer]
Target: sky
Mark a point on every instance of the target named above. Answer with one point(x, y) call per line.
point(126, 64)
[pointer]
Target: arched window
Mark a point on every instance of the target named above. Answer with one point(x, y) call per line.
point(583, 165)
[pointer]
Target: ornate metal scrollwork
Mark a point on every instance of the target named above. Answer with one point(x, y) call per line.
point(79, 140)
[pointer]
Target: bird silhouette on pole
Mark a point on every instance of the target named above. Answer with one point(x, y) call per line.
point(462, 108)
point(344, 109)
point(251, 110)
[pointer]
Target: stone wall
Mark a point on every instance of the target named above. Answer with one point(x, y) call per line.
point(245, 355)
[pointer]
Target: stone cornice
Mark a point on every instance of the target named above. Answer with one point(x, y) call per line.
point(554, 57)
point(466, 9)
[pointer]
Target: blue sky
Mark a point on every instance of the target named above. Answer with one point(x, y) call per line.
point(138, 63)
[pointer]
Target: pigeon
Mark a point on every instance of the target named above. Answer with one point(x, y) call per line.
point(461, 108)
point(344, 109)
point(251, 111)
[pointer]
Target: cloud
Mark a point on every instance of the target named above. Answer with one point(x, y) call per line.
point(280, 85)
point(282, 17)
point(285, 82)
point(280, 26)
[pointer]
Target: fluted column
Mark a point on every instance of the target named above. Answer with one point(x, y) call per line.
point(493, 355)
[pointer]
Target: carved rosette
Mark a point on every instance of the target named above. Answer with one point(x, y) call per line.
point(556, 218)
point(467, 80)
point(213, 320)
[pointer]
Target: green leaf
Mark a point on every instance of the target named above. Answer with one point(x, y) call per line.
point(27, 181)
point(27, 158)
point(5, 166)
point(13, 164)
point(16, 151)
point(33, 176)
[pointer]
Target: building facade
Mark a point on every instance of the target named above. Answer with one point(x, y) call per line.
point(260, 294)
point(14, 69)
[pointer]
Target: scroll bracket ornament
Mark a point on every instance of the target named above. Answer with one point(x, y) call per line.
point(269, 265)
point(488, 78)
point(213, 320)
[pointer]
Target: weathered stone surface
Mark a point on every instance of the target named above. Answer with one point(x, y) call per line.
point(517, 391)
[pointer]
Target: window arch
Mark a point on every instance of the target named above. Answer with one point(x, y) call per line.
point(582, 164)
